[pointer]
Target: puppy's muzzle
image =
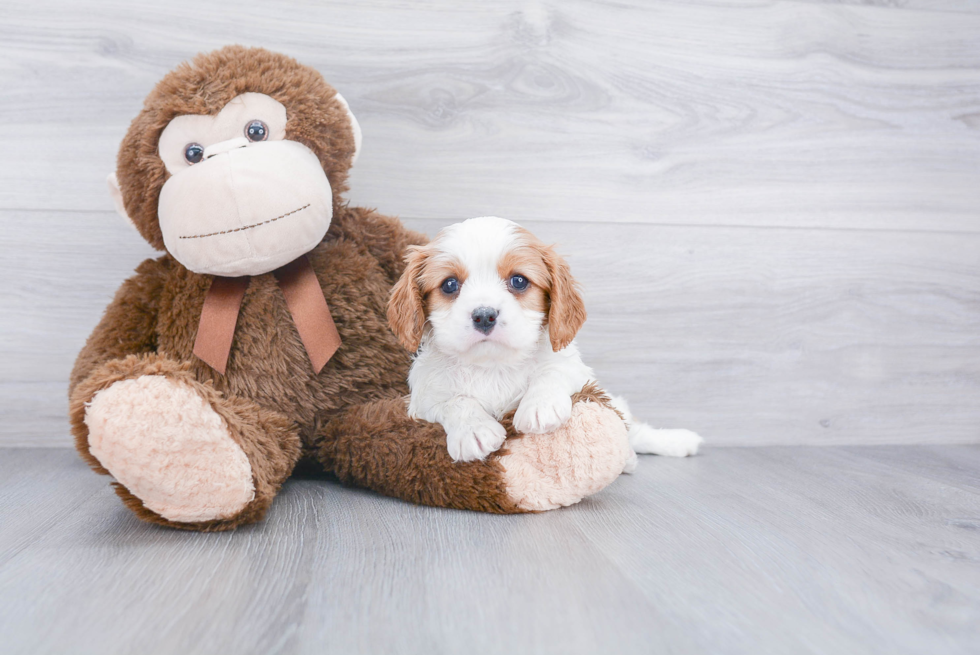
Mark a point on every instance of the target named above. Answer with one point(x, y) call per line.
point(484, 319)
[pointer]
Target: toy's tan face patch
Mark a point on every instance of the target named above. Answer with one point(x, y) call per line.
point(241, 198)
point(232, 122)
point(246, 211)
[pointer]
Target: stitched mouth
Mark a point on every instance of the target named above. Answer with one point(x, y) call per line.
point(245, 227)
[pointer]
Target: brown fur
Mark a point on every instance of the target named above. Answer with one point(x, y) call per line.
point(378, 446)
point(406, 305)
point(528, 262)
point(592, 393)
point(566, 309)
point(276, 407)
point(314, 116)
point(268, 438)
point(350, 416)
point(268, 363)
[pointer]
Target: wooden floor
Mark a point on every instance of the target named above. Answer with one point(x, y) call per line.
point(862, 549)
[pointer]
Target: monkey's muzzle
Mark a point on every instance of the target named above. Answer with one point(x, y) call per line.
point(246, 210)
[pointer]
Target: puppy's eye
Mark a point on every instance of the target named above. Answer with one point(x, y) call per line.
point(450, 286)
point(257, 131)
point(518, 282)
point(193, 153)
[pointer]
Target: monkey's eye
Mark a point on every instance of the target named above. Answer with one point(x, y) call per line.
point(518, 282)
point(193, 153)
point(450, 286)
point(257, 131)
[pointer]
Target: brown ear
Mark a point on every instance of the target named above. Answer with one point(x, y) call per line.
point(406, 306)
point(566, 310)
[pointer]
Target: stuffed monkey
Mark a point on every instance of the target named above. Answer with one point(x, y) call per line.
point(259, 337)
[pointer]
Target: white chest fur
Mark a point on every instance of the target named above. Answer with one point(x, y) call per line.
point(497, 386)
point(497, 382)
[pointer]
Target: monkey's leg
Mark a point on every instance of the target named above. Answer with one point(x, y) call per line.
point(376, 445)
point(182, 454)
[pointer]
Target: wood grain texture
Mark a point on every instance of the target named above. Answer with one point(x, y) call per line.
point(759, 113)
point(742, 550)
point(773, 205)
point(747, 335)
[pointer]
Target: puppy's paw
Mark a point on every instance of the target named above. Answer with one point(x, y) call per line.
point(542, 411)
point(672, 443)
point(475, 441)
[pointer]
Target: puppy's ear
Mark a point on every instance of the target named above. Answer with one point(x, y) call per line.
point(566, 310)
point(406, 306)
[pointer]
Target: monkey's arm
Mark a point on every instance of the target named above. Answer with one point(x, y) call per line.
point(377, 445)
point(128, 326)
point(385, 237)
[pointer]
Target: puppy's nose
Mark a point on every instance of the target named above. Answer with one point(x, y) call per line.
point(484, 318)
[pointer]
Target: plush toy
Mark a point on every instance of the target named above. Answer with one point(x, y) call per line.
point(260, 336)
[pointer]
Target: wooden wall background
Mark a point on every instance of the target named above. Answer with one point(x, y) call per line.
point(774, 207)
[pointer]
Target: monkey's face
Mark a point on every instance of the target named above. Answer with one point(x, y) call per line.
point(237, 161)
point(241, 199)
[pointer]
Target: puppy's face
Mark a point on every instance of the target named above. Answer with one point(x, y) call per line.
point(484, 289)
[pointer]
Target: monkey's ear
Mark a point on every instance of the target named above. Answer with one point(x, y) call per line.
point(117, 198)
point(354, 126)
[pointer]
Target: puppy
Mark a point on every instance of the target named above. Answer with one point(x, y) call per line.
point(492, 313)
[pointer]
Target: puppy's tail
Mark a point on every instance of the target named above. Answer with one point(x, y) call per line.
point(649, 440)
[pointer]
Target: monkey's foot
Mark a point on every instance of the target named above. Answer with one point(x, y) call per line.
point(167, 446)
point(560, 468)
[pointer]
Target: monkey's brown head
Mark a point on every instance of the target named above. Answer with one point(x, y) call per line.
point(237, 161)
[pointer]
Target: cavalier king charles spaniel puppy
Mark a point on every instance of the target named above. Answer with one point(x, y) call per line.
point(492, 313)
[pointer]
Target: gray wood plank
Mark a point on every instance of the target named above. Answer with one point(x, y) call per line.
point(812, 535)
point(748, 335)
point(741, 550)
point(41, 492)
point(765, 113)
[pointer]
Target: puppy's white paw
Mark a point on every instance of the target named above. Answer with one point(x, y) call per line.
point(475, 441)
point(672, 443)
point(542, 411)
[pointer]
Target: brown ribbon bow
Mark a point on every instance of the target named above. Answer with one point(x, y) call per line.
point(306, 303)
